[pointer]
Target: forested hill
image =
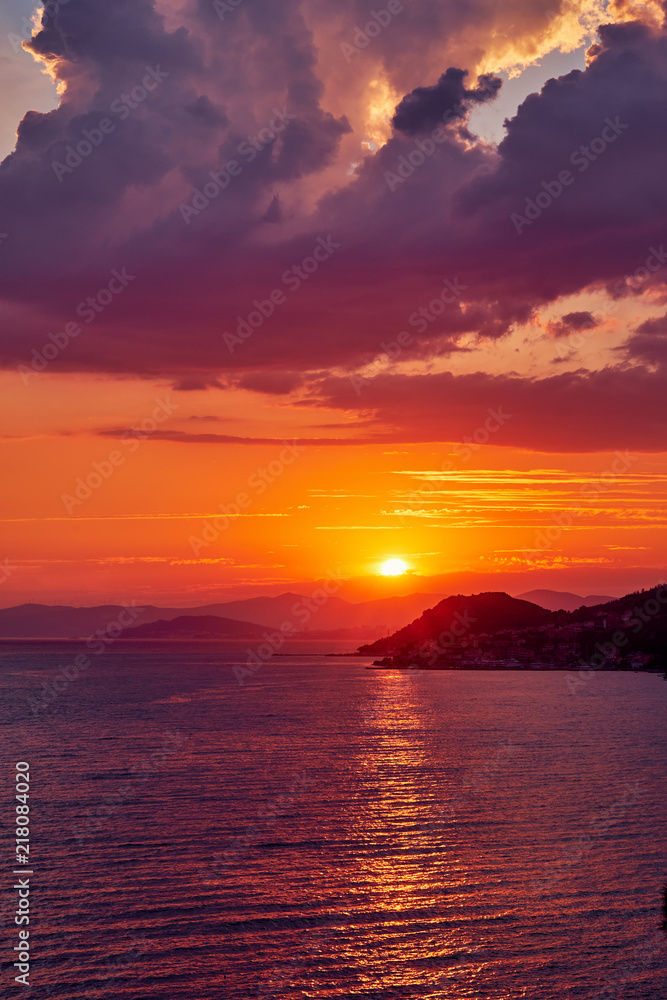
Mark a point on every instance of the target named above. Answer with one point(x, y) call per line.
point(466, 615)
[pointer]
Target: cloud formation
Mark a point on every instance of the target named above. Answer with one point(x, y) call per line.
point(573, 322)
point(426, 107)
point(265, 104)
point(570, 412)
point(648, 344)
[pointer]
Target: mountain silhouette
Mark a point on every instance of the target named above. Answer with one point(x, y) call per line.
point(475, 614)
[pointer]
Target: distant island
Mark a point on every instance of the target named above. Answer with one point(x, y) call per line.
point(495, 631)
point(192, 627)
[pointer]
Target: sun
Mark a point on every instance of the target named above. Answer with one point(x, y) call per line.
point(393, 567)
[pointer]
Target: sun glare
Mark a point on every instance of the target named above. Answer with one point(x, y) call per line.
point(393, 567)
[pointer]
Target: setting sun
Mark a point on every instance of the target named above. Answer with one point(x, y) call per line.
point(393, 567)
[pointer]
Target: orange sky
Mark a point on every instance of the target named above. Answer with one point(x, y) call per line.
point(559, 324)
point(148, 531)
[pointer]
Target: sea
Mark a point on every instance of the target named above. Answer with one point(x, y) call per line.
point(316, 829)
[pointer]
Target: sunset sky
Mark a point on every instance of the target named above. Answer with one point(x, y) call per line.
point(419, 314)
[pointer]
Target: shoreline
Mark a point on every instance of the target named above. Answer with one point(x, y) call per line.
point(541, 668)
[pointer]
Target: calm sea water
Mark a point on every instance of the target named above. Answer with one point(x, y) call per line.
point(329, 831)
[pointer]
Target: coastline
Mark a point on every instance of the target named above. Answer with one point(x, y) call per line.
point(541, 667)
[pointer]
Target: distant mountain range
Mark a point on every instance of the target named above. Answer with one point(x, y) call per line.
point(364, 620)
point(196, 627)
point(557, 600)
point(479, 631)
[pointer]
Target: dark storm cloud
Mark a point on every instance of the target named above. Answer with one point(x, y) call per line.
point(273, 383)
point(195, 383)
point(572, 412)
point(417, 211)
point(572, 322)
point(424, 108)
point(206, 112)
point(648, 344)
